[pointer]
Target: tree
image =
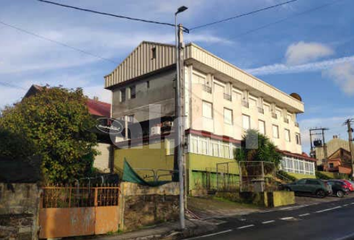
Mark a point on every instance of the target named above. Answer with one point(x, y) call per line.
point(257, 147)
point(54, 124)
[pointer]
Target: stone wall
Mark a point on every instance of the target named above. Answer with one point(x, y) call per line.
point(19, 204)
point(142, 205)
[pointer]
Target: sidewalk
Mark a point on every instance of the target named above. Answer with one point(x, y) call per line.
point(168, 231)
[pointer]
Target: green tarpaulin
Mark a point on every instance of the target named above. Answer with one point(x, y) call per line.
point(129, 175)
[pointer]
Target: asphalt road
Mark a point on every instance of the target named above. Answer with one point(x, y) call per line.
point(325, 221)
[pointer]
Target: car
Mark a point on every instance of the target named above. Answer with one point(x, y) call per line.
point(310, 186)
point(339, 188)
point(349, 184)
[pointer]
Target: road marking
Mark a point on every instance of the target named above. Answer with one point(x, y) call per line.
point(287, 218)
point(303, 215)
point(349, 236)
point(352, 203)
point(270, 221)
point(328, 209)
point(345, 205)
point(211, 234)
point(246, 226)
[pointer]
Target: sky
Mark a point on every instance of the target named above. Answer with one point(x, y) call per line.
point(305, 47)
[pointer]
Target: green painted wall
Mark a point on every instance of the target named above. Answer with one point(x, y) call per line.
point(153, 156)
point(202, 170)
point(300, 175)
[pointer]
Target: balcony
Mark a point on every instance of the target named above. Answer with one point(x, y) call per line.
point(206, 88)
point(274, 115)
point(297, 124)
point(227, 97)
point(261, 110)
point(286, 120)
point(245, 103)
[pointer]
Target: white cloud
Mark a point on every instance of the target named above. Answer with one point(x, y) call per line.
point(309, 67)
point(98, 91)
point(343, 76)
point(302, 52)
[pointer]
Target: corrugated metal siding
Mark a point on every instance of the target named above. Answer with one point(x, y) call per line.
point(140, 62)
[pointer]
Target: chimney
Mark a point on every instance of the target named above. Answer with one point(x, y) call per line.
point(335, 136)
point(95, 98)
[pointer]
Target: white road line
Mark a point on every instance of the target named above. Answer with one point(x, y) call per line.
point(305, 214)
point(210, 235)
point(349, 236)
point(270, 221)
point(352, 203)
point(328, 209)
point(286, 218)
point(345, 205)
point(247, 226)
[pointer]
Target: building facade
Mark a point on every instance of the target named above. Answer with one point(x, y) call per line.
point(220, 103)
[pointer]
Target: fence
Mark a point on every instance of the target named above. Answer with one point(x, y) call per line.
point(67, 211)
point(257, 176)
point(227, 176)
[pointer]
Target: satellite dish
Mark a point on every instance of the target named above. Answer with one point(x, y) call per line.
point(296, 96)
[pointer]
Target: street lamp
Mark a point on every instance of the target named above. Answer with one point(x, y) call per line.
point(178, 129)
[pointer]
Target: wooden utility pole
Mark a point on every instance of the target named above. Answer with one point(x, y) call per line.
point(350, 141)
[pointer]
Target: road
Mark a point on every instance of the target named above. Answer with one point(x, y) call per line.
point(325, 221)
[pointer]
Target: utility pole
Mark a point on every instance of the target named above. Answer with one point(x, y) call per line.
point(314, 132)
point(179, 131)
point(350, 141)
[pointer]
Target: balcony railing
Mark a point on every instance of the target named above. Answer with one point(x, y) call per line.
point(261, 110)
point(274, 115)
point(207, 88)
point(297, 124)
point(245, 103)
point(286, 120)
point(227, 97)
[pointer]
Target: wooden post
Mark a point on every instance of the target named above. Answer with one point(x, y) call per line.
point(96, 195)
point(70, 189)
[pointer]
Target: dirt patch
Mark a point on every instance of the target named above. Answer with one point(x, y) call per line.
point(211, 207)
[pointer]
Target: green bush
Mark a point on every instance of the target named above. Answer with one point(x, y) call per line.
point(322, 176)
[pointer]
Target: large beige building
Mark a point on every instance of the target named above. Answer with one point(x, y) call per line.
point(221, 102)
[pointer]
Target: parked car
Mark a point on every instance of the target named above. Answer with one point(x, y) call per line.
point(310, 186)
point(352, 183)
point(349, 184)
point(339, 188)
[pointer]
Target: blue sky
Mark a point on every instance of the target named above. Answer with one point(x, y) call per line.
point(311, 52)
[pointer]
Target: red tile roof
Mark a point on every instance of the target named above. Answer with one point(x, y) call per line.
point(99, 108)
point(296, 155)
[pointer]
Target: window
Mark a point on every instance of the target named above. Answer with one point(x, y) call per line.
point(287, 135)
point(275, 131)
point(298, 138)
point(153, 52)
point(313, 182)
point(122, 95)
point(246, 122)
point(203, 146)
point(228, 116)
point(331, 165)
point(132, 92)
point(215, 148)
point(170, 147)
point(207, 110)
point(261, 127)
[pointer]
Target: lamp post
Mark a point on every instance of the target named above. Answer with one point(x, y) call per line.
point(178, 129)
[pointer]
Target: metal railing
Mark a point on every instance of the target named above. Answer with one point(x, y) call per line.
point(206, 88)
point(67, 196)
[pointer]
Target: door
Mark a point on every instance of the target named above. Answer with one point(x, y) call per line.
point(299, 185)
point(312, 185)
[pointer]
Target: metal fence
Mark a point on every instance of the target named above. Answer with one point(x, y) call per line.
point(67, 196)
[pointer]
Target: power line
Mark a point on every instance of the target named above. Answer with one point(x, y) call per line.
point(287, 18)
point(241, 15)
point(57, 42)
point(108, 14)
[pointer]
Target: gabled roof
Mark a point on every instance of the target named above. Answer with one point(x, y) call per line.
point(95, 107)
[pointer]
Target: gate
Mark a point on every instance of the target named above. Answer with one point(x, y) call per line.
point(67, 211)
